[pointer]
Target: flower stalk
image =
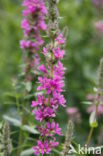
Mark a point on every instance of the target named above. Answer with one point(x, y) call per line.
point(68, 140)
point(98, 99)
point(50, 85)
point(33, 23)
point(5, 141)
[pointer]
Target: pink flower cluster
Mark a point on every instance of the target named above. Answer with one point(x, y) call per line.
point(93, 107)
point(74, 114)
point(98, 2)
point(94, 99)
point(51, 85)
point(99, 26)
point(33, 22)
point(45, 147)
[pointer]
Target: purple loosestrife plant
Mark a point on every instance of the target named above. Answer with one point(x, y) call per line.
point(33, 24)
point(34, 21)
point(50, 85)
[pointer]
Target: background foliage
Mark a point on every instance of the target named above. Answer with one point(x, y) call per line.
point(83, 51)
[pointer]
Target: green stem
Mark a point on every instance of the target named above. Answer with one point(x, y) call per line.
point(89, 136)
point(17, 103)
point(92, 128)
point(20, 142)
point(17, 100)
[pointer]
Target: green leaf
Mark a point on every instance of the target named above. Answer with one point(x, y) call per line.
point(92, 120)
point(28, 96)
point(38, 93)
point(95, 89)
point(13, 95)
point(28, 86)
point(87, 102)
point(17, 123)
point(27, 152)
point(30, 129)
point(9, 103)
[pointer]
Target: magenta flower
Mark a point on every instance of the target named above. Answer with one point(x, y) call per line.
point(32, 6)
point(25, 44)
point(44, 147)
point(59, 71)
point(54, 128)
point(54, 85)
point(42, 81)
point(40, 101)
point(58, 53)
point(42, 68)
point(50, 129)
point(60, 39)
point(50, 86)
point(42, 25)
point(59, 98)
point(44, 113)
point(33, 23)
point(25, 24)
point(46, 105)
point(45, 51)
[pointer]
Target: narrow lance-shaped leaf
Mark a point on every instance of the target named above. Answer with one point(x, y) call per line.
point(17, 123)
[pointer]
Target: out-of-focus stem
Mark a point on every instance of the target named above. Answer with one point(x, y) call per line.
point(92, 128)
point(5, 141)
point(100, 90)
point(89, 136)
point(68, 138)
point(20, 142)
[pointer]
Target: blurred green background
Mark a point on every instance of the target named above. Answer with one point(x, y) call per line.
point(10, 53)
point(83, 51)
